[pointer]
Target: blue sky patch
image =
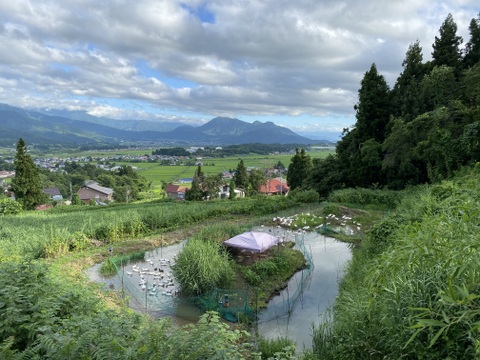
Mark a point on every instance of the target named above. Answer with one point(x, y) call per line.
point(201, 12)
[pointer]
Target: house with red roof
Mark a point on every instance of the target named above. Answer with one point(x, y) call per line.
point(176, 192)
point(276, 186)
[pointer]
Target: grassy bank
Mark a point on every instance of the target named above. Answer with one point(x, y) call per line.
point(412, 289)
point(60, 231)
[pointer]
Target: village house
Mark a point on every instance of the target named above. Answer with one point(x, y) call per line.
point(277, 186)
point(53, 193)
point(91, 190)
point(224, 192)
point(6, 174)
point(176, 192)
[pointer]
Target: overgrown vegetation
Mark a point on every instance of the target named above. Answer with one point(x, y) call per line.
point(39, 234)
point(269, 275)
point(201, 266)
point(412, 289)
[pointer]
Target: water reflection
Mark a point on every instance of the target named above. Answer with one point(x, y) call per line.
point(318, 293)
point(317, 290)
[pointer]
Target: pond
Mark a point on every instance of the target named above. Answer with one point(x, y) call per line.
point(290, 314)
point(317, 290)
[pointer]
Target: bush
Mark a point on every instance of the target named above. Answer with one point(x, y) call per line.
point(381, 235)
point(10, 207)
point(304, 196)
point(202, 266)
point(331, 209)
point(359, 196)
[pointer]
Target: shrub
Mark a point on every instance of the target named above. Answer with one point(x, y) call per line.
point(304, 196)
point(329, 208)
point(359, 196)
point(10, 207)
point(202, 266)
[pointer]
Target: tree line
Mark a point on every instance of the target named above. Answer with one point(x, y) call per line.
point(420, 131)
point(207, 186)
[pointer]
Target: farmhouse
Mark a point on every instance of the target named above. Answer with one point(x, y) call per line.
point(176, 192)
point(53, 193)
point(277, 186)
point(92, 190)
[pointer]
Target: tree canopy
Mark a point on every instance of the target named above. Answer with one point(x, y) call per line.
point(446, 48)
point(298, 169)
point(27, 183)
point(421, 131)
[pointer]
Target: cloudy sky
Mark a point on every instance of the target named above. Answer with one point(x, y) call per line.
point(297, 63)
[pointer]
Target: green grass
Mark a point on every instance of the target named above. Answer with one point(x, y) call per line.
point(65, 229)
point(412, 289)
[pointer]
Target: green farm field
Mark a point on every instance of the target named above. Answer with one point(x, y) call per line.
point(157, 173)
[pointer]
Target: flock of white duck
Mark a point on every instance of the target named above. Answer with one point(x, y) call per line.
point(317, 222)
point(155, 279)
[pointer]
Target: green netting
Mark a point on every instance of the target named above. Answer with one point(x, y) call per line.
point(232, 305)
point(326, 230)
point(158, 296)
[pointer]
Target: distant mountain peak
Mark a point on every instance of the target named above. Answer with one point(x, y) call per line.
point(77, 128)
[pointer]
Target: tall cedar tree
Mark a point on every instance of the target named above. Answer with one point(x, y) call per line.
point(373, 108)
point(446, 48)
point(299, 168)
point(405, 101)
point(472, 48)
point(241, 176)
point(27, 184)
point(195, 193)
point(359, 150)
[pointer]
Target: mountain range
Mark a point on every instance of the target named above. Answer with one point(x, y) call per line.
point(70, 128)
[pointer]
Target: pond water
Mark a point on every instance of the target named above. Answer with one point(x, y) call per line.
point(318, 289)
point(290, 314)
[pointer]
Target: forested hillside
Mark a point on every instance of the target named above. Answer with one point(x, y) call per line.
point(412, 289)
point(422, 130)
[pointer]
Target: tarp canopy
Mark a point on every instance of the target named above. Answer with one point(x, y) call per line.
point(252, 241)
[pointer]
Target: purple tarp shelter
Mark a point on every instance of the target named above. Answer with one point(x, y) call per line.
point(253, 241)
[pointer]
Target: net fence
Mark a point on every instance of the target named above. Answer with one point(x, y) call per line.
point(150, 287)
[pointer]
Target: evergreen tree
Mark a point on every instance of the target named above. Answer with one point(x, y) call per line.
point(446, 48)
point(241, 176)
point(470, 85)
point(373, 108)
point(232, 194)
point(325, 176)
point(27, 184)
point(438, 88)
point(299, 168)
point(472, 48)
point(405, 100)
point(195, 193)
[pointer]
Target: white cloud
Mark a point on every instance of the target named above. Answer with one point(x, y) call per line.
point(277, 58)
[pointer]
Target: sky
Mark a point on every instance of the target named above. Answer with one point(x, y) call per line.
point(297, 63)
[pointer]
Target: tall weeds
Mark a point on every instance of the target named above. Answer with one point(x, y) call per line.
point(413, 288)
point(54, 233)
